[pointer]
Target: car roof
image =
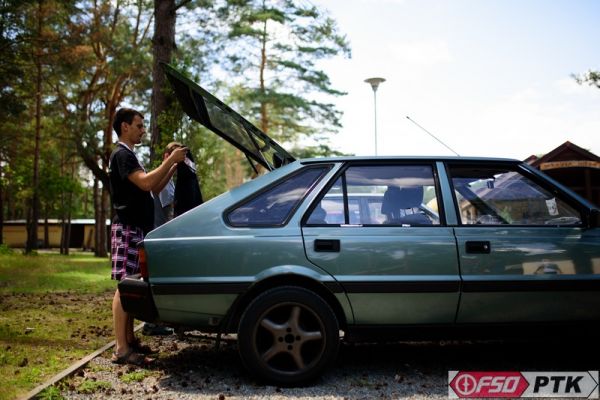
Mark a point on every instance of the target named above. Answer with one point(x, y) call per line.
point(408, 158)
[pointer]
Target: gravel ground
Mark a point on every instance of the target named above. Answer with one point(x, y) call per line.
point(190, 368)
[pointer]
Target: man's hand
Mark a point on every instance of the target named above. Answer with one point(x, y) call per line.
point(178, 155)
point(156, 179)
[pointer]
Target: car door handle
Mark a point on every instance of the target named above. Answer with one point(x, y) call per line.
point(478, 247)
point(327, 245)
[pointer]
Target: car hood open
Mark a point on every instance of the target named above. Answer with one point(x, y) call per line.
point(215, 115)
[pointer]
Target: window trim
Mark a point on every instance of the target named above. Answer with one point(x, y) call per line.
point(226, 213)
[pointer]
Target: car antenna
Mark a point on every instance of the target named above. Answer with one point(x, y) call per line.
point(432, 135)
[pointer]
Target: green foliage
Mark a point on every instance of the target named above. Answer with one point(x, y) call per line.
point(590, 77)
point(5, 250)
point(50, 393)
point(96, 56)
point(321, 150)
point(275, 49)
point(12, 31)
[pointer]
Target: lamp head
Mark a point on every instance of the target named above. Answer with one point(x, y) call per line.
point(374, 82)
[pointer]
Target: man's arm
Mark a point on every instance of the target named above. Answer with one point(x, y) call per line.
point(161, 185)
point(149, 181)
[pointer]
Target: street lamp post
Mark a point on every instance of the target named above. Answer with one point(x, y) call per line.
point(374, 82)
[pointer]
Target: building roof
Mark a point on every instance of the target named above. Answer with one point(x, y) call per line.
point(565, 152)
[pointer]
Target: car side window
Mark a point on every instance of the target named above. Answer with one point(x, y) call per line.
point(402, 195)
point(274, 206)
point(494, 196)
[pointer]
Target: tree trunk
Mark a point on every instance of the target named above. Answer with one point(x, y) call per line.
point(163, 45)
point(104, 214)
point(67, 227)
point(46, 229)
point(96, 217)
point(264, 119)
point(1, 207)
point(67, 234)
point(32, 234)
point(63, 231)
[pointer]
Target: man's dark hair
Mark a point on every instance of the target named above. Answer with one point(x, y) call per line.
point(125, 115)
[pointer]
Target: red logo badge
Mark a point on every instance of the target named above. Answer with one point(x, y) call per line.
point(488, 384)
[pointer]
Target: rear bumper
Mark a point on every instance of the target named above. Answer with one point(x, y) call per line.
point(136, 298)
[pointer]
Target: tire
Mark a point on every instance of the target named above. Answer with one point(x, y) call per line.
point(288, 335)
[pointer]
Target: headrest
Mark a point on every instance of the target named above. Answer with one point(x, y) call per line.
point(411, 197)
point(396, 198)
point(391, 199)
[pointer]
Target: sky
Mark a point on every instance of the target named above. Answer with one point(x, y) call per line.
point(487, 77)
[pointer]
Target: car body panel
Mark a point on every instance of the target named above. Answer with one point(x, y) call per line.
point(532, 274)
point(386, 264)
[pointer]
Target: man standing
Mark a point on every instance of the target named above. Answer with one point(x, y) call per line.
point(130, 188)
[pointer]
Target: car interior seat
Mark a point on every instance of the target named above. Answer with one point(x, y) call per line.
point(402, 206)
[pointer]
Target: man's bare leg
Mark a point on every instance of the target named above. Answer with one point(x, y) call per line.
point(120, 325)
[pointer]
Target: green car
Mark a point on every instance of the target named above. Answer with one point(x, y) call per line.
point(407, 246)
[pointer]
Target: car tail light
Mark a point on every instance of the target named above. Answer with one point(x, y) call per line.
point(142, 261)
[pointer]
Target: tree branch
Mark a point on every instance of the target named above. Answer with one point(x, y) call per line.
point(181, 4)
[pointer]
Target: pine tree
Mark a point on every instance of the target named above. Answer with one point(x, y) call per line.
point(276, 47)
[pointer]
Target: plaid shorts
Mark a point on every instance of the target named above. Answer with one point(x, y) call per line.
point(123, 250)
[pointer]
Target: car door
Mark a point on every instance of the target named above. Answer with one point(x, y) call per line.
point(525, 252)
point(376, 228)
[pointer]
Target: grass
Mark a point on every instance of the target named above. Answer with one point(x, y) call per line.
point(89, 387)
point(54, 310)
point(135, 376)
point(80, 273)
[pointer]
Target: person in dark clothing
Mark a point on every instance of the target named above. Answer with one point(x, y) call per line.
point(165, 199)
point(187, 188)
point(130, 188)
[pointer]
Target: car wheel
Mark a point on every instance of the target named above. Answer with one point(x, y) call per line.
point(288, 335)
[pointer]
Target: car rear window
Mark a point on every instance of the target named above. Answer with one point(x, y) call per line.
point(274, 206)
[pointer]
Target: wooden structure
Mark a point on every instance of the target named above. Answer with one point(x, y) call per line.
point(14, 233)
point(574, 167)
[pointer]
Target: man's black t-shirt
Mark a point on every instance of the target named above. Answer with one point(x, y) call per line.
point(133, 205)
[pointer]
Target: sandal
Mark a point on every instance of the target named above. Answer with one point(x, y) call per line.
point(138, 347)
point(131, 357)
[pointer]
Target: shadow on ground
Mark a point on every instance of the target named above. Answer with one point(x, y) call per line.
point(392, 370)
